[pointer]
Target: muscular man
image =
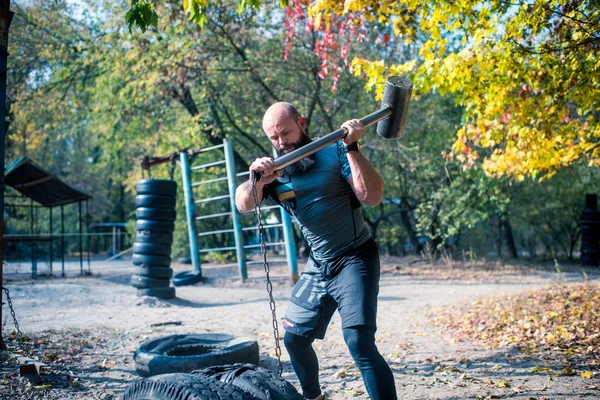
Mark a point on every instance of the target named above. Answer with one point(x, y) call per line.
point(323, 192)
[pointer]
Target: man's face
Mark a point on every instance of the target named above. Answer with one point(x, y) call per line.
point(287, 134)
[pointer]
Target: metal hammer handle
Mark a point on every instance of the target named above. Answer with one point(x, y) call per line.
point(328, 139)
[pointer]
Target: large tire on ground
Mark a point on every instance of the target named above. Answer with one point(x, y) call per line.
point(156, 214)
point(143, 282)
point(186, 278)
point(160, 292)
point(163, 187)
point(259, 382)
point(152, 249)
point(165, 239)
point(154, 201)
point(150, 260)
point(155, 272)
point(183, 387)
point(185, 353)
point(154, 226)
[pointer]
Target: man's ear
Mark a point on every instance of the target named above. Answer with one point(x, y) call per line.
point(302, 122)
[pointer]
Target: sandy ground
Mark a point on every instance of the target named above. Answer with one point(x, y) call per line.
point(86, 328)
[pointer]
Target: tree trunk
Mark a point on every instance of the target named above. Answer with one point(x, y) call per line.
point(509, 238)
point(410, 230)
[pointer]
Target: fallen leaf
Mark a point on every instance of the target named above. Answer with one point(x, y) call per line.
point(502, 384)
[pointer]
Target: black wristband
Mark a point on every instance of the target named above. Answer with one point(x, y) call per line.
point(352, 147)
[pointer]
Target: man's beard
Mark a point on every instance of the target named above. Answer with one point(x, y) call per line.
point(303, 164)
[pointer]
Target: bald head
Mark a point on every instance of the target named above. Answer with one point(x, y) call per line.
point(277, 114)
point(284, 127)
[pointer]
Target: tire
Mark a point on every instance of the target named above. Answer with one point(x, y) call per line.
point(164, 187)
point(153, 249)
point(154, 226)
point(183, 387)
point(161, 292)
point(161, 238)
point(150, 260)
point(155, 272)
point(187, 278)
point(185, 353)
point(258, 382)
point(156, 214)
point(143, 282)
point(154, 201)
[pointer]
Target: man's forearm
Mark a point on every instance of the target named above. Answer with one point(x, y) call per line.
point(367, 182)
point(244, 199)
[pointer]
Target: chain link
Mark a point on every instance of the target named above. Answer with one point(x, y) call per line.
point(14, 316)
point(263, 252)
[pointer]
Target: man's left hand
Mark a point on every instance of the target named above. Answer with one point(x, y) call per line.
point(354, 130)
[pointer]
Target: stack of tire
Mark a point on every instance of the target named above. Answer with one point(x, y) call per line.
point(155, 223)
point(590, 232)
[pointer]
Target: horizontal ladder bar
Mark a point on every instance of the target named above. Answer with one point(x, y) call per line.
point(253, 228)
point(225, 196)
point(217, 249)
point(215, 232)
point(204, 150)
point(243, 173)
point(269, 207)
point(253, 246)
point(210, 164)
point(262, 262)
point(209, 181)
point(214, 215)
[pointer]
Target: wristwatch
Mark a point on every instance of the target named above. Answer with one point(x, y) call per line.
point(352, 147)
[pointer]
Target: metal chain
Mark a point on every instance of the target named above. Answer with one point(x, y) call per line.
point(173, 165)
point(263, 252)
point(14, 316)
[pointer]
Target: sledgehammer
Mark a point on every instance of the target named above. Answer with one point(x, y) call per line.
point(390, 120)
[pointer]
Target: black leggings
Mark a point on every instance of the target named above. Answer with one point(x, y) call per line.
point(360, 340)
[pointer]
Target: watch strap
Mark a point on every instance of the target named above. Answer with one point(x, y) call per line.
point(352, 147)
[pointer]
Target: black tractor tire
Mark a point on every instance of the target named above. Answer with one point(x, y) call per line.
point(150, 261)
point(155, 272)
point(143, 282)
point(152, 249)
point(185, 353)
point(160, 292)
point(183, 387)
point(154, 201)
point(164, 187)
point(162, 238)
point(154, 226)
point(156, 214)
point(187, 278)
point(259, 382)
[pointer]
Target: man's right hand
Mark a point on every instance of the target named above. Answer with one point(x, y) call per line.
point(266, 167)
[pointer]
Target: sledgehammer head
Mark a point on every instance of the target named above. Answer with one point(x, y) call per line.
point(396, 95)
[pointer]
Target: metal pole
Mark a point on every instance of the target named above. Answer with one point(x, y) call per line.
point(80, 241)
point(51, 241)
point(235, 218)
point(32, 228)
point(328, 139)
point(5, 18)
point(62, 238)
point(189, 211)
point(114, 240)
point(87, 231)
point(290, 245)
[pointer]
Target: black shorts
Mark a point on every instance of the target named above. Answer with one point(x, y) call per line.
point(349, 283)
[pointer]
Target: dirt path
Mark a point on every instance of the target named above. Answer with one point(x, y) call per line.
point(89, 327)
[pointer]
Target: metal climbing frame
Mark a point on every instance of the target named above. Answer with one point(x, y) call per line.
point(234, 226)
